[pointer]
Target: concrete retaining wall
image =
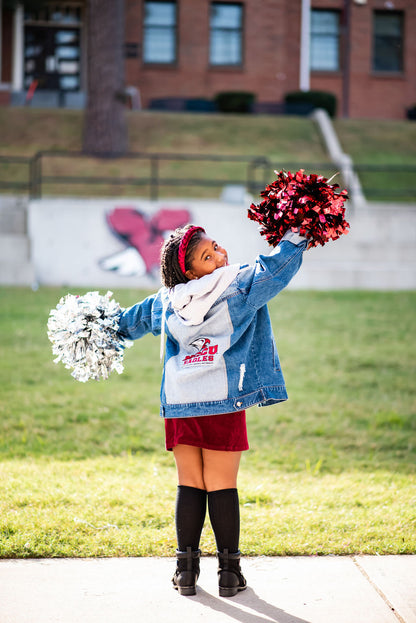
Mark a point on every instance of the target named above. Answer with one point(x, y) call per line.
point(70, 242)
point(379, 253)
point(73, 244)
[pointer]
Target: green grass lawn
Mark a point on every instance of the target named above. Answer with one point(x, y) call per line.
point(288, 142)
point(83, 469)
point(378, 140)
point(382, 143)
point(26, 131)
point(283, 140)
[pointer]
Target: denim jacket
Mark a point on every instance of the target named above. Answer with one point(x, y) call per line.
point(227, 360)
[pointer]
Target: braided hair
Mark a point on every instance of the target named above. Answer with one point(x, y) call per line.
point(170, 270)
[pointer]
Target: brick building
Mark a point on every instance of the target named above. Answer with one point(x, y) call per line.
point(363, 51)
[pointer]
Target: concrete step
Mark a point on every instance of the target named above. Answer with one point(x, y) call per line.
point(13, 214)
point(350, 249)
point(15, 263)
point(355, 275)
point(14, 248)
point(17, 274)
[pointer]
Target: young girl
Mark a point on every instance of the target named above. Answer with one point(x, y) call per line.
point(220, 359)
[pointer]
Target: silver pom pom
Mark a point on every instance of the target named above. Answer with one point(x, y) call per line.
point(83, 332)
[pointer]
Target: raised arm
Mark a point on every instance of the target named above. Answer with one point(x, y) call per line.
point(271, 273)
point(144, 317)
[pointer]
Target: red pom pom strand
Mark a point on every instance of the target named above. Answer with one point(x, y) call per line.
point(308, 203)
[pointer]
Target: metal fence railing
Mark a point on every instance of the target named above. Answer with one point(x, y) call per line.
point(15, 173)
point(151, 172)
point(162, 175)
point(158, 171)
point(387, 181)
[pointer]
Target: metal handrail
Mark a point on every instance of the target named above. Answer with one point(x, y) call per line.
point(23, 160)
point(155, 180)
point(258, 172)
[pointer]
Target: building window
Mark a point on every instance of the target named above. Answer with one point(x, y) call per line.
point(388, 41)
point(325, 32)
point(159, 38)
point(226, 34)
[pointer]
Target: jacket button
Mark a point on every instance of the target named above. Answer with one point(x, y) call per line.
point(239, 404)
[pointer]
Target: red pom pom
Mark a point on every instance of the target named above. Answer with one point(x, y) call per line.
point(308, 203)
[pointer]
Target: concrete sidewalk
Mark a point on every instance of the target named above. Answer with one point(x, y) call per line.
point(330, 589)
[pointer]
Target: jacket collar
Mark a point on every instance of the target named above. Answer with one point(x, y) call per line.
point(191, 301)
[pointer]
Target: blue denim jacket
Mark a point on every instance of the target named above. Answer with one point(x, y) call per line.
point(229, 361)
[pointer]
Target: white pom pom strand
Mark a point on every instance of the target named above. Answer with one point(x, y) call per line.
point(83, 332)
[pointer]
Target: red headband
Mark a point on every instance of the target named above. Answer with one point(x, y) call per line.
point(184, 245)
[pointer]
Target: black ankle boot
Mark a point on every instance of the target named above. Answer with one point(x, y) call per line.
point(230, 578)
point(187, 571)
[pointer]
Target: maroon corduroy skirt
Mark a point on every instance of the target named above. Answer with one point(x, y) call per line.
point(227, 431)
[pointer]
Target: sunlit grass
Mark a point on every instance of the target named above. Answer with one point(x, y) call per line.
point(124, 506)
point(83, 469)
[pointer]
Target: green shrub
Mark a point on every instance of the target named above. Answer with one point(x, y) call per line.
point(411, 112)
point(303, 102)
point(235, 101)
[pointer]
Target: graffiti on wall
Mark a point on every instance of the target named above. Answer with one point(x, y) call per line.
point(143, 236)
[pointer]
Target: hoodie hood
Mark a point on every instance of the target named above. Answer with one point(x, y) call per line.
point(191, 301)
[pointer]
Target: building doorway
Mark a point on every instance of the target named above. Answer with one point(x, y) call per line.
point(53, 51)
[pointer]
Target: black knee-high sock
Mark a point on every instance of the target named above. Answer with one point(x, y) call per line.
point(224, 513)
point(191, 506)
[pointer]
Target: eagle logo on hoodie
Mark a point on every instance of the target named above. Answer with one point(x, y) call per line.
point(200, 343)
point(204, 351)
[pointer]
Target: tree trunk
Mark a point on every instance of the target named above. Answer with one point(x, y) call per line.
point(105, 126)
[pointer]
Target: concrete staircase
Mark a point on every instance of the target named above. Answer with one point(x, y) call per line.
point(15, 264)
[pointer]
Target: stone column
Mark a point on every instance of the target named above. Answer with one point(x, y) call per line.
point(18, 49)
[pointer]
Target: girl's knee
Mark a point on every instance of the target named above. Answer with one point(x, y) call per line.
point(189, 466)
point(196, 483)
point(220, 469)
